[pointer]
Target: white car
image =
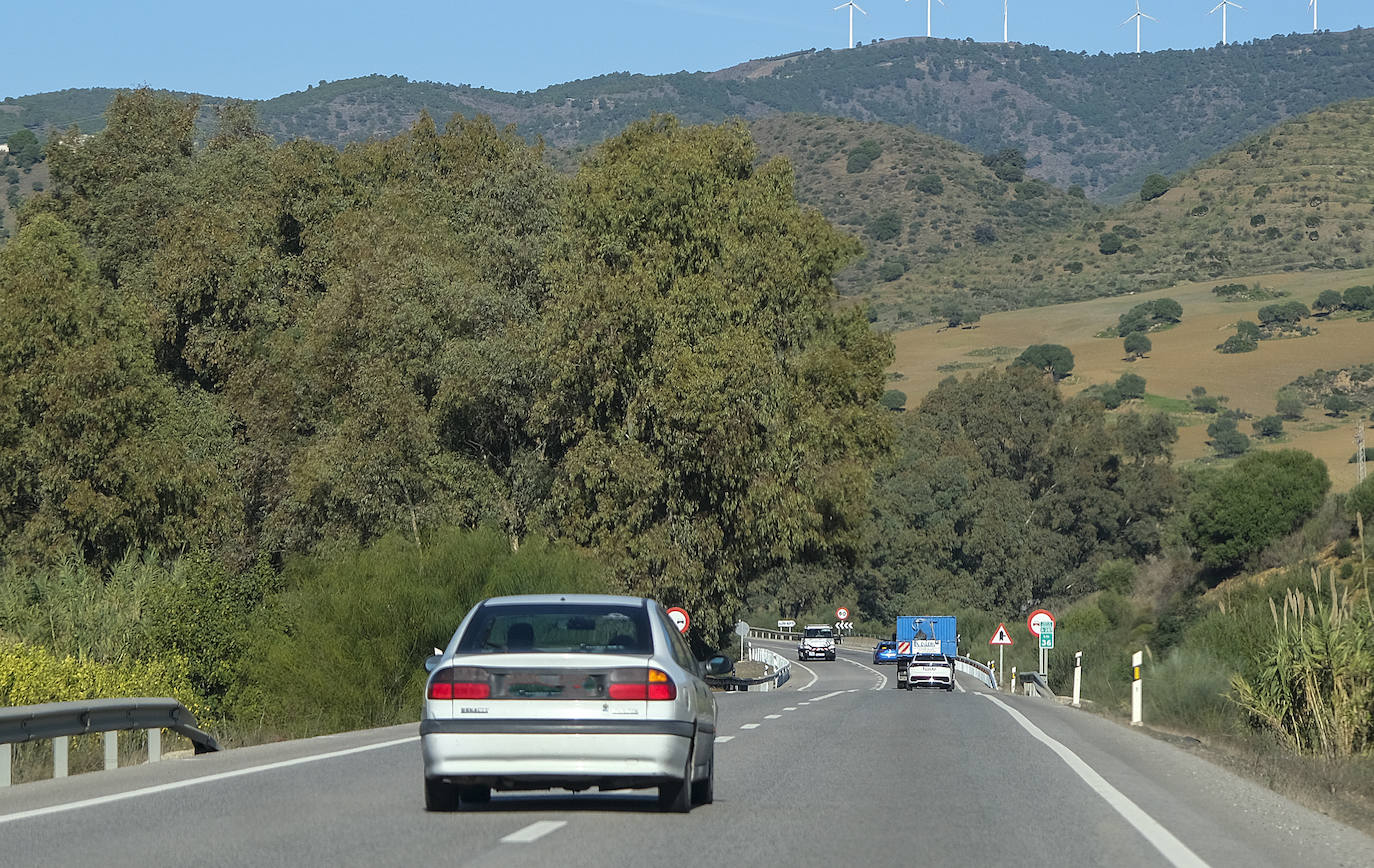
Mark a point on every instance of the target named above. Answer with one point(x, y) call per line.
point(569, 691)
point(817, 643)
point(928, 670)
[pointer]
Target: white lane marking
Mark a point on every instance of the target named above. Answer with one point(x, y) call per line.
point(771, 716)
point(790, 708)
point(534, 831)
point(722, 739)
point(178, 785)
point(882, 682)
point(1159, 837)
point(749, 726)
point(959, 687)
point(814, 676)
point(828, 695)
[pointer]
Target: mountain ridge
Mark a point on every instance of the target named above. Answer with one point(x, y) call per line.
point(1081, 119)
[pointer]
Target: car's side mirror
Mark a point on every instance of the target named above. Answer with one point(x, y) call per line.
point(718, 666)
point(432, 662)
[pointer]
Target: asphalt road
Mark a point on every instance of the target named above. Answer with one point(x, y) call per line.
point(837, 767)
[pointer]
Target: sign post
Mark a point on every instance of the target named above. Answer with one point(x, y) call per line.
point(1041, 623)
point(1001, 639)
point(1136, 660)
point(741, 630)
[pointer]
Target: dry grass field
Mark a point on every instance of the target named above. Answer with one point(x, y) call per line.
point(1182, 357)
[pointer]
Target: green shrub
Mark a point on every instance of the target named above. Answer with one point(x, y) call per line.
point(1236, 512)
point(1117, 576)
point(343, 646)
point(31, 675)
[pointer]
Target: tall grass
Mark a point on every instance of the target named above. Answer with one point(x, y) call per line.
point(1315, 688)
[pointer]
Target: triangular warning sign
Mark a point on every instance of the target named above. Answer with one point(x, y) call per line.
point(1001, 637)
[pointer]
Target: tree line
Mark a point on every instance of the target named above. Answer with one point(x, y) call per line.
point(261, 349)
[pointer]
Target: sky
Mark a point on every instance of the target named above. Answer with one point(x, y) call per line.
point(253, 49)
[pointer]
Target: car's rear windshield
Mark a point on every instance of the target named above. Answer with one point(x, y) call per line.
point(818, 632)
point(558, 628)
point(930, 658)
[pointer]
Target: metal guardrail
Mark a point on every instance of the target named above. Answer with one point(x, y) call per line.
point(781, 666)
point(969, 666)
point(60, 720)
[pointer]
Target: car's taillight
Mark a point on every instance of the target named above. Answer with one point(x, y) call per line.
point(460, 682)
point(641, 684)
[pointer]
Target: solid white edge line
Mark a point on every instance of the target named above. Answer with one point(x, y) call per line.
point(814, 676)
point(191, 782)
point(1160, 838)
point(534, 831)
point(881, 675)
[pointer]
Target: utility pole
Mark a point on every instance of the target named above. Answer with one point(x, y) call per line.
point(1359, 452)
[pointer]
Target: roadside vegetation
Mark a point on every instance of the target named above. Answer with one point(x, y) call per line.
point(272, 417)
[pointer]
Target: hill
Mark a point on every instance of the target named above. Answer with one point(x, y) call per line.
point(1182, 358)
point(1101, 122)
point(1293, 198)
point(914, 200)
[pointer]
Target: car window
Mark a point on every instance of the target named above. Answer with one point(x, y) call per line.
point(558, 628)
point(818, 632)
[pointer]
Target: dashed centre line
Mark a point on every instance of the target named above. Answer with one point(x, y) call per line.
point(771, 716)
point(790, 708)
point(534, 831)
point(750, 725)
point(722, 739)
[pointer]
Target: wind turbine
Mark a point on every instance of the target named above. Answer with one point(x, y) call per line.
point(941, 2)
point(1222, 6)
point(852, 6)
point(1313, 4)
point(1136, 18)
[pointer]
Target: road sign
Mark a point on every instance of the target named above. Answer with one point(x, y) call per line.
point(786, 624)
point(1001, 637)
point(741, 628)
point(680, 618)
point(1038, 618)
point(842, 613)
point(1047, 637)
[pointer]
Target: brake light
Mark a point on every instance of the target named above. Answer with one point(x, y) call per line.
point(641, 684)
point(460, 682)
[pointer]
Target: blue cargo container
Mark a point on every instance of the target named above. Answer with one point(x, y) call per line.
point(927, 629)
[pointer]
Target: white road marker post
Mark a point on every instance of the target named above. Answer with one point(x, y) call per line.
point(1077, 677)
point(1012, 685)
point(1136, 659)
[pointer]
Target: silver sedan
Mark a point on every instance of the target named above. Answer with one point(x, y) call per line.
point(569, 691)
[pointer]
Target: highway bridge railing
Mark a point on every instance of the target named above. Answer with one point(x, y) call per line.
point(60, 720)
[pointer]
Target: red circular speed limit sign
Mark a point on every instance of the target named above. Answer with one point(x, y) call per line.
point(1038, 619)
point(842, 613)
point(680, 618)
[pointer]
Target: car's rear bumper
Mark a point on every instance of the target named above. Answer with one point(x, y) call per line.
point(930, 680)
point(537, 754)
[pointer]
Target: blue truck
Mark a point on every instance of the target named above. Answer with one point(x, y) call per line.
point(927, 634)
point(926, 648)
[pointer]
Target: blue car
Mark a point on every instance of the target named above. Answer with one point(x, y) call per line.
point(885, 652)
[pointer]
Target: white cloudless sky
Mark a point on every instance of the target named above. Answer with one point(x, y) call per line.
point(257, 50)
